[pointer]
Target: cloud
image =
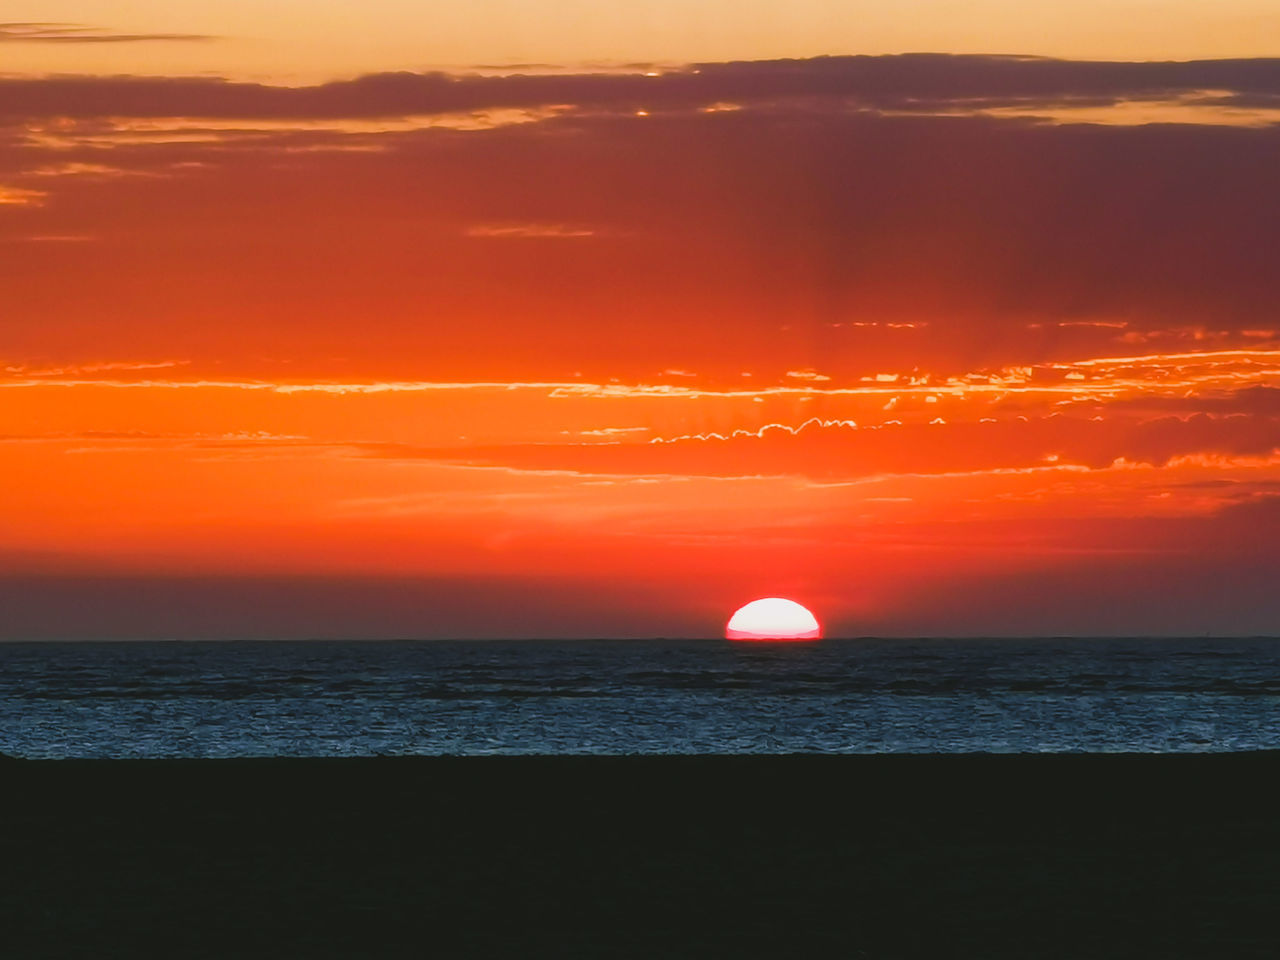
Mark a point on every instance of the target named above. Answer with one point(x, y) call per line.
point(1257, 401)
point(20, 196)
point(100, 171)
point(145, 438)
point(555, 231)
point(76, 33)
point(791, 235)
point(843, 451)
point(49, 238)
point(62, 372)
point(904, 82)
point(1224, 381)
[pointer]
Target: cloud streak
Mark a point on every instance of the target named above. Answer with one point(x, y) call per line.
point(843, 450)
point(71, 33)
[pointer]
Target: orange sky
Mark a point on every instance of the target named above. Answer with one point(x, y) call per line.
point(935, 344)
point(313, 40)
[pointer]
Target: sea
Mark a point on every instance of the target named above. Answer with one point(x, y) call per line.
point(403, 698)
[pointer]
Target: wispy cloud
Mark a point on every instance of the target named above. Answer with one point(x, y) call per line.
point(83, 369)
point(50, 238)
point(99, 171)
point(20, 196)
point(530, 230)
point(20, 32)
point(1097, 379)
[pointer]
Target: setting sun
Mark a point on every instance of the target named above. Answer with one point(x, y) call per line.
point(773, 618)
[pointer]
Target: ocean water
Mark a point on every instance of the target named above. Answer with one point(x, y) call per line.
point(636, 696)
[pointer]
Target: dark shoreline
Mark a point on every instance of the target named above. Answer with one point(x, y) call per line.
point(1070, 855)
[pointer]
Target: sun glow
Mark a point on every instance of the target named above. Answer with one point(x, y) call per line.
point(773, 618)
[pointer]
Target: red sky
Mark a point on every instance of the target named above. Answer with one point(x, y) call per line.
point(945, 344)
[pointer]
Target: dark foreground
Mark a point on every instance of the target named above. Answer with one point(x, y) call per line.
point(982, 856)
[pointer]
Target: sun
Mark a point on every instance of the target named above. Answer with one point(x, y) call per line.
point(773, 618)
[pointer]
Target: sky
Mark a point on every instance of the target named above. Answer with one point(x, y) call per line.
point(576, 319)
point(299, 41)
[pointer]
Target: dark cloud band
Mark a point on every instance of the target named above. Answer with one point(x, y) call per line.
point(887, 82)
